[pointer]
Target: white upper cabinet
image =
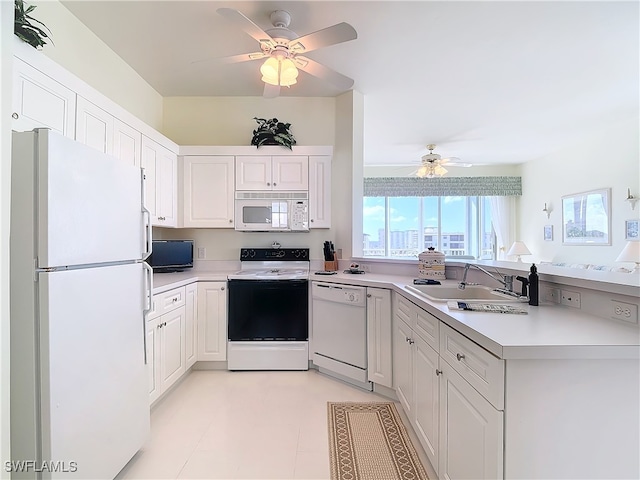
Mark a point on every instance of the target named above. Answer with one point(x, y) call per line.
point(319, 191)
point(41, 102)
point(207, 191)
point(286, 172)
point(290, 172)
point(160, 167)
point(94, 126)
point(127, 143)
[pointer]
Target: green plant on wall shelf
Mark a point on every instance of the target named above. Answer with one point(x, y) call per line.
point(24, 29)
point(272, 132)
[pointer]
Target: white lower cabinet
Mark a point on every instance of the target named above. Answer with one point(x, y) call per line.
point(460, 429)
point(212, 321)
point(379, 361)
point(471, 431)
point(165, 341)
point(191, 325)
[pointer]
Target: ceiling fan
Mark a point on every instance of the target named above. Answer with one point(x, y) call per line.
point(284, 50)
point(433, 164)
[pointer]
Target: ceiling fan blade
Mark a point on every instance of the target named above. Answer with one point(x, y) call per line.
point(247, 25)
point(271, 91)
point(244, 57)
point(325, 73)
point(342, 32)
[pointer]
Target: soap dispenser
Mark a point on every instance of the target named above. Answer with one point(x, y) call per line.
point(533, 285)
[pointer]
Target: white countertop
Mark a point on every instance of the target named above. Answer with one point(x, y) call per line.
point(546, 332)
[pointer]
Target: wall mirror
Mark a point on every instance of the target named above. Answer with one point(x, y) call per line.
point(586, 218)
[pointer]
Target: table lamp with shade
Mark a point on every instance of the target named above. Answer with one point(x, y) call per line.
point(518, 248)
point(631, 253)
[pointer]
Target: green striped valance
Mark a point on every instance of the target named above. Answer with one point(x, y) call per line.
point(442, 186)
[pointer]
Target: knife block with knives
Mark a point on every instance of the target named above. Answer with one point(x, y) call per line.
point(330, 260)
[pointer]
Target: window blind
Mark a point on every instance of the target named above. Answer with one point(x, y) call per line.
point(442, 186)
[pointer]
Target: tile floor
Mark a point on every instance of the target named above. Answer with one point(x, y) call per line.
point(243, 425)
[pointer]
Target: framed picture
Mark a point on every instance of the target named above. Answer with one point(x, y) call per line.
point(548, 233)
point(631, 228)
point(586, 218)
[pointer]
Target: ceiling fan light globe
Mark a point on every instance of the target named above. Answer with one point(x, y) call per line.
point(279, 72)
point(440, 170)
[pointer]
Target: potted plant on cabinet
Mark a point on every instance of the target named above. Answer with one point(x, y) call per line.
point(24, 29)
point(272, 132)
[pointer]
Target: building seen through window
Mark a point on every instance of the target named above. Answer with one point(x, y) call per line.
point(403, 227)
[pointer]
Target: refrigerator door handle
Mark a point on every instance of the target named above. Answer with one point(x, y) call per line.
point(149, 302)
point(147, 219)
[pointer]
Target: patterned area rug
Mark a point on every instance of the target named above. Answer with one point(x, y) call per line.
point(367, 441)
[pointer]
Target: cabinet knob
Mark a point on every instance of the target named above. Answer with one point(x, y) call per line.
point(368, 295)
point(268, 184)
point(459, 356)
point(221, 288)
point(15, 116)
point(438, 372)
point(230, 221)
point(312, 220)
point(274, 184)
point(411, 342)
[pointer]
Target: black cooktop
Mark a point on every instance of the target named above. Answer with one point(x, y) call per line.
point(279, 254)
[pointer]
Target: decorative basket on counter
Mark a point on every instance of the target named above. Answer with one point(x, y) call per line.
point(431, 264)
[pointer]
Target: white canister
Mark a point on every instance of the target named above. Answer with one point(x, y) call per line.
point(431, 264)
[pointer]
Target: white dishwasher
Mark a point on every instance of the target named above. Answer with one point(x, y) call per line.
point(339, 331)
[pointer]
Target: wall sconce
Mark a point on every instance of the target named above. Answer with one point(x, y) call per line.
point(631, 199)
point(547, 210)
point(517, 249)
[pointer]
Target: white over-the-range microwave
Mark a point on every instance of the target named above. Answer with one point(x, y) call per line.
point(259, 211)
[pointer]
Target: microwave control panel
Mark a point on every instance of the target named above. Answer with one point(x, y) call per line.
point(299, 215)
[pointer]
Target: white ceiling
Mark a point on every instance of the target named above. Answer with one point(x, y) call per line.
point(488, 82)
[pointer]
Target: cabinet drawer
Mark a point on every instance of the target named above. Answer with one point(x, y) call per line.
point(427, 327)
point(403, 309)
point(166, 301)
point(480, 368)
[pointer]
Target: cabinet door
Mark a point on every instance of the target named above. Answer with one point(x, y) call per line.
point(127, 143)
point(320, 191)
point(471, 431)
point(208, 191)
point(94, 126)
point(379, 336)
point(160, 166)
point(212, 321)
point(191, 325)
point(41, 102)
point(253, 172)
point(403, 365)
point(426, 398)
point(153, 356)
point(172, 356)
point(290, 172)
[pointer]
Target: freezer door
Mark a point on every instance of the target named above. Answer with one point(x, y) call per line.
point(94, 394)
point(89, 205)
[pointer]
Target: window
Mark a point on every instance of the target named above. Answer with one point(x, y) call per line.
point(402, 227)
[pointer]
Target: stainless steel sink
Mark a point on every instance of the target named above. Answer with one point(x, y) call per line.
point(472, 293)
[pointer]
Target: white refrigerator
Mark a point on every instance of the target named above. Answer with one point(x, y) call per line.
point(79, 292)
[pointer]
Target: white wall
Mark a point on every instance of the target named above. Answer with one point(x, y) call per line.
point(229, 121)
point(6, 32)
point(610, 159)
point(81, 52)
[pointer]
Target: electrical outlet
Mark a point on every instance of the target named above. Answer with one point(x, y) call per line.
point(202, 253)
point(569, 298)
point(551, 295)
point(624, 311)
